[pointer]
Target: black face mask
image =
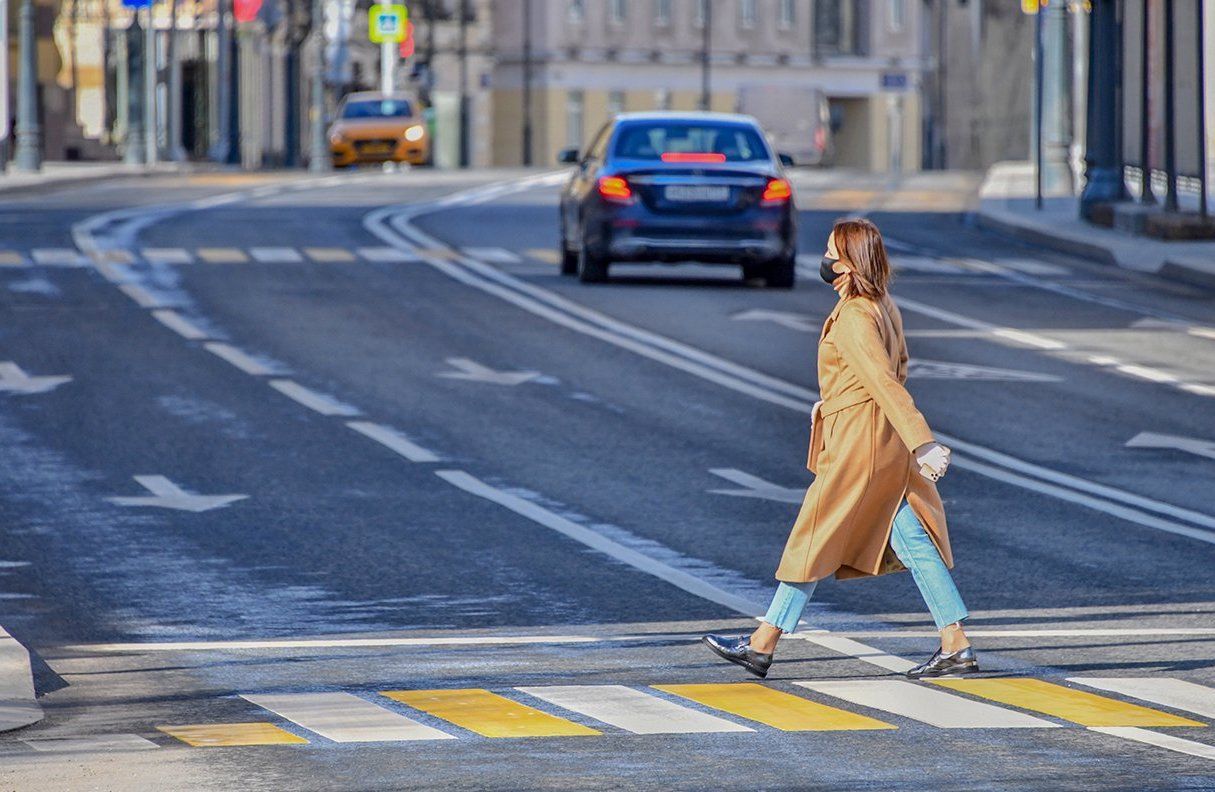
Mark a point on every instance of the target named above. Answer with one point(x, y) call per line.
point(825, 272)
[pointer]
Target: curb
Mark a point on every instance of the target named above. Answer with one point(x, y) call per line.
point(52, 184)
point(1176, 270)
point(18, 705)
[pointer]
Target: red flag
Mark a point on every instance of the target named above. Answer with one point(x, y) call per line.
point(246, 10)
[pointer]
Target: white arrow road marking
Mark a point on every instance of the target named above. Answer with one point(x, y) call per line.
point(1192, 445)
point(937, 369)
point(756, 487)
point(14, 380)
point(471, 370)
point(794, 321)
point(167, 495)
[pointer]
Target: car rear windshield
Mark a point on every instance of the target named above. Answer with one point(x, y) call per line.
point(690, 142)
point(378, 108)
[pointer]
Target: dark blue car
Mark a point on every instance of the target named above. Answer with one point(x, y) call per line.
point(672, 187)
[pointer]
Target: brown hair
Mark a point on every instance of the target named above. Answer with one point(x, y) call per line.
point(860, 244)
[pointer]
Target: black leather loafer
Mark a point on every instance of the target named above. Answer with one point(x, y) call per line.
point(738, 650)
point(964, 661)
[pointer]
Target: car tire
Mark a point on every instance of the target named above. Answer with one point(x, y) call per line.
point(569, 258)
point(782, 273)
point(752, 272)
point(591, 268)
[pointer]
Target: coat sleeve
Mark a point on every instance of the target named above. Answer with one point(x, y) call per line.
point(860, 344)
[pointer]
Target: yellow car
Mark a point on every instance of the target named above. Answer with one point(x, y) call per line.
point(377, 127)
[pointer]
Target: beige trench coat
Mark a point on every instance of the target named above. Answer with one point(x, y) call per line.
point(860, 451)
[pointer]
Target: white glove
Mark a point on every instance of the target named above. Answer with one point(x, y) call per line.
point(933, 459)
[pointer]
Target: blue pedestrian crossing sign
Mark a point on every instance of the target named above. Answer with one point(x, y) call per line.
point(137, 3)
point(386, 22)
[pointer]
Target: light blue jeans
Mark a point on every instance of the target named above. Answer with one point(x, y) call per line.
point(915, 549)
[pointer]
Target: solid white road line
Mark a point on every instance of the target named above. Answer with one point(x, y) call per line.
point(102, 743)
point(924, 704)
point(393, 440)
point(1173, 693)
point(1158, 739)
point(632, 710)
point(319, 402)
point(240, 359)
point(584, 535)
point(340, 643)
point(142, 297)
point(179, 324)
point(276, 255)
point(345, 718)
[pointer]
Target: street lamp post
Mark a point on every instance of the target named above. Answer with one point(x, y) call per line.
point(28, 156)
point(1102, 162)
point(527, 82)
point(463, 55)
point(706, 27)
point(318, 155)
point(151, 117)
point(134, 152)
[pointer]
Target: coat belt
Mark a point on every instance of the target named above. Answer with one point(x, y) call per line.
point(844, 401)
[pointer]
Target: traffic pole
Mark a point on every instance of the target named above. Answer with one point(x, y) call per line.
point(388, 62)
point(135, 150)
point(1038, 81)
point(318, 156)
point(151, 117)
point(705, 54)
point(5, 142)
point(28, 157)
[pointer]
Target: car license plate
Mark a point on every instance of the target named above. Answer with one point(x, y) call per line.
point(375, 148)
point(696, 192)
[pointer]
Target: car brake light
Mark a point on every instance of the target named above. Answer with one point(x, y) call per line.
point(692, 156)
point(615, 188)
point(777, 191)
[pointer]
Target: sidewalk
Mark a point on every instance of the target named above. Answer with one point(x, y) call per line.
point(58, 175)
point(18, 706)
point(1006, 204)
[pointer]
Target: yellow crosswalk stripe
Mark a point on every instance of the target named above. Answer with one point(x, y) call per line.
point(774, 708)
point(488, 714)
point(328, 254)
point(11, 258)
point(1077, 706)
point(216, 734)
point(222, 255)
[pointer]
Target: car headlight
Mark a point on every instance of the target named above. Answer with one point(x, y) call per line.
point(414, 133)
point(336, 137)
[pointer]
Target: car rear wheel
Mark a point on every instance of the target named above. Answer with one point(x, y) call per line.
point(569, 258)
point(782, 273)
point(591, 268)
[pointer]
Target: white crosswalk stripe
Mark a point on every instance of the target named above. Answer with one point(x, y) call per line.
point(1159, 739)
point(346, 718)
point(276, 255)
point(632, 710)
point(59, 257)
point(924, 704)
point(1174, 693)
point(494, 255)
point(103, 743)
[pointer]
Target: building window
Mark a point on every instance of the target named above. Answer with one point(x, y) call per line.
point(702, 11)
point(840, 28)
point(746, 13)
point(577, 10)
point(575, 106)
point(898, 15)
point(786, 14)
point(662, 12)
point(617, 10)
point(615, 104)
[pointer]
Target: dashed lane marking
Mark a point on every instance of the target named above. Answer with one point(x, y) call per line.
point(329, 255)
point(632, 710)
point(489, 714)
point(1173, 693)
point(228, 734)
point(345, 718)
point(774, 708)
point(142, 297)
point(240, 359)
point(386, 255)
point(917, 702)
point(223, 255)
point(59, 257)
point(1077, 706)
point(394, 441)
point(275, 255)
point(11, 258)
point(102, 743)
point(167, 255)
point(318, 402)
point(179, 324)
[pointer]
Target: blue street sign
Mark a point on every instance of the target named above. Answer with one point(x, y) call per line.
point(137, 3)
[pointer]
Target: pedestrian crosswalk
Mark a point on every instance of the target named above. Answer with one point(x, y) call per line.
point(67, 257)
point(600, 710)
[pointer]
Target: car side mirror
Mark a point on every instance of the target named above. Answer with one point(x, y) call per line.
point(785, 159)
point(569, 155)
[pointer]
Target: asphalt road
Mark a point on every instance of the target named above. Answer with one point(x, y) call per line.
point(449, 468)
